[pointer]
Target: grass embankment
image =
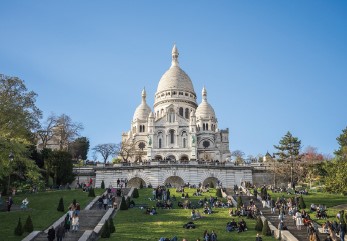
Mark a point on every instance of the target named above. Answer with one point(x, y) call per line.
point(42, 209)
point(326, 199)
point(134, 224)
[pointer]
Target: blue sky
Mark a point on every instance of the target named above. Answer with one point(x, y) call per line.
point(269, 66)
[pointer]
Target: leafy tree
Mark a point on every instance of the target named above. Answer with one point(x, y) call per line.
point(62, 167)
point(91, 192)
point(18, 231)
point(336, 176)
point(342, 141)
point(28, 226)
point(102, 185)
point(309, 163)
point(79, 148)
point(288, 154)
point(239, 202)
point(266, 229)
point(105, 232)
point(259, 224)
point(106, 150)
point(136, 193)
point(123, 204)
point(60, 207)
point(111, 225)
point(19, 117)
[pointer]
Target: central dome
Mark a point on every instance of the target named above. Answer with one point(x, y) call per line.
point(175, 78)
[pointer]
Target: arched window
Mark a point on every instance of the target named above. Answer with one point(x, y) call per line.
point(171, 115)
point(184, 142)
point(140, 128)
point(187, 113)
point(203, 126)
point(143, 128)
point(181, 111)
point(207, 126)
point(159, 142)
point(172, 136)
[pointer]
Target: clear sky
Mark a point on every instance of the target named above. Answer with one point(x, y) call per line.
point(269, 66)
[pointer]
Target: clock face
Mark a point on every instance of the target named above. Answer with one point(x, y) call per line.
point(206, 144)
point(142, 145)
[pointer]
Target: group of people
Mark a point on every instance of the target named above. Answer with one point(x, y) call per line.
point(234, 226)
point(72, 220)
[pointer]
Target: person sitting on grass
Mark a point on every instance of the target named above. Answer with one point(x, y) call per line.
point(242, 226)
point(25, 203)
point(153, 211)
point(197, 214)
point(192, 214)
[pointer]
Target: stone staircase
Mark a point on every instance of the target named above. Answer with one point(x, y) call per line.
point(89, 219)
point(300, 235)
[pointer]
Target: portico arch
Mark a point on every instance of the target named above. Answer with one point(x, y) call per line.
point(184, 158)
point(210, 180)
point(158, 158)
point(175, 181)
point(136, 182)
point(171, 158)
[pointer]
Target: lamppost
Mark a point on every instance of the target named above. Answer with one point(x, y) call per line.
point(10, 158)
point(274, 168)
point(78, 172)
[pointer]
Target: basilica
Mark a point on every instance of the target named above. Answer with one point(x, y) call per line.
point(177, 128)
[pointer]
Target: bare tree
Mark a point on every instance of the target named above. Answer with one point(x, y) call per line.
point(59, 131)
point(238, 154)
point(45, 134)
point(126, 150)
point(106, 150)
point(68, 130)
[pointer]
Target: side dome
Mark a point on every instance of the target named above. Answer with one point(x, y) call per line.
point(204, 110)
point(143, 110)
point(175, 78)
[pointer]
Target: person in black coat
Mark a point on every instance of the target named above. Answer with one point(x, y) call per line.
point(51, 234)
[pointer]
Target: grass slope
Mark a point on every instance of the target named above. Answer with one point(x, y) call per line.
point(42, 209)
point(134, 224)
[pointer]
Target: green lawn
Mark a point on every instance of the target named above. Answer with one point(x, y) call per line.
point(329, 200)
point(42, 209)
point(133, 224)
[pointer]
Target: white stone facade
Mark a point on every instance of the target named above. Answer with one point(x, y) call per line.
point(177, 128)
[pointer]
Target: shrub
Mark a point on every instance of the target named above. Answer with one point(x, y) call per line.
point(105, 232)
point(28, 226)
point(259, 225)
point(266, 229)
point(136, 193)
point(60, 207)
point(219, 192)
point(239, 202)
point(302, 204)
point(141, 185)
point(102, 185)
point(127, 201)
point(123, 204)
point(91, 192)
point(19, 229)
point(111, 225)
point(132, 204)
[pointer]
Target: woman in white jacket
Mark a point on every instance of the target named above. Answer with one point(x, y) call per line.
point(298, 217)
point(75, 222)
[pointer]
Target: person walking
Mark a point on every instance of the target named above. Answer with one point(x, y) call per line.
point(342, 227)
point(75, 222)
point(51, 234)
point(60, 233)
